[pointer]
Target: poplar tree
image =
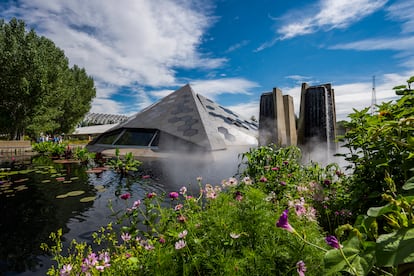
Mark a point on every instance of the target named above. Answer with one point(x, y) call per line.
point(39, 92)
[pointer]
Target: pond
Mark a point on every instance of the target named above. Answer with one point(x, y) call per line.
point(40, 196)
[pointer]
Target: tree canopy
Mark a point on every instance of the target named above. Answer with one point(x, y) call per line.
point(39, 92)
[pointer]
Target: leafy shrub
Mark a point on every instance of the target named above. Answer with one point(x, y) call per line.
point(380, 146)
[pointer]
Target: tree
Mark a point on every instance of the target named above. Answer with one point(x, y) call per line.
point(39, 92)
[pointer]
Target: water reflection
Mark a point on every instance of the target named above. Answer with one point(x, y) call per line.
point(46, 196)
point(49, 198)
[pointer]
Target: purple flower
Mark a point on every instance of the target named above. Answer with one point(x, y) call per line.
point(327, 182)
point(301, 268)
point(173, 195)
point(161, 240)
point(263, 179)
point(283, 183)
point(125, 196)
point(285, 162)
point(332, 241)
point(283, 221)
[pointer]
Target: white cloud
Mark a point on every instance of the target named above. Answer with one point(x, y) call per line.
point(161, 93)
point(236, 46)
point(403, 11)
point(212, 88)
point(331, 14)
point(123, 43)
point(390, 43)
point(246, 110)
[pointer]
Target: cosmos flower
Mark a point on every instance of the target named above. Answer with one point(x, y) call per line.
point(151, 195)
point(66, 269)
point(183, 190)
point(173, 195)
point(183, 234)
point(125, 196)
point(180, 244)
point(301, 268)
point(125, 237)
point(263, 179)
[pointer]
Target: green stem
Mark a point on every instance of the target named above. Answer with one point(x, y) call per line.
point(347, 261)
point(309, 243)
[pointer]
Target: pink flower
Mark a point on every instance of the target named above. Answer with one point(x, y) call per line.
point(151, 195)
point(183, 234)
point(161, 240)
point(181, 218)
point(173, 195)
point(275, 168)
point(178, 207)
point(146, 176)
point(238, 196)
point(263, 179)
point(66, 269)
point(283, 222)
point(247, 180)
point(125, 237)
point(136, 204)
point(183, 190)
point(180, 244)
point(301, 268)
point(283, 183)
point(125, 196)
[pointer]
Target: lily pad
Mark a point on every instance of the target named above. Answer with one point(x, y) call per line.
point(21, 187)
point(21, 180)
point(74, 178)
point(87, 199)
point(100, 188)
point(46, 181)
point(62, 196)
point(67, 181)
point(75, 193)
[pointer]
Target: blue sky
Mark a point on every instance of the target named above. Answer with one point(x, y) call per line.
point(230, 51)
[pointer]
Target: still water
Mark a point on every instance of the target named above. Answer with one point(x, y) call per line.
point(43, 196)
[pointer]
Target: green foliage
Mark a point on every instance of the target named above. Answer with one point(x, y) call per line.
point(50, 148)
point(82, 154)
point(215, 232)
point(381, 147)
point(38, 90)
point(230, 229)
point(125, 164)
point(279, 171)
